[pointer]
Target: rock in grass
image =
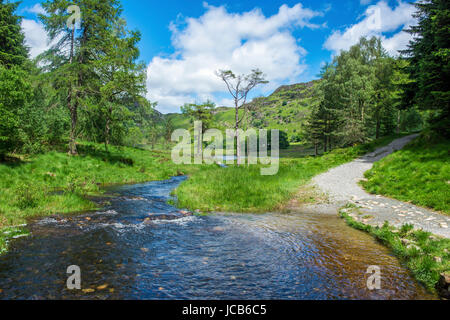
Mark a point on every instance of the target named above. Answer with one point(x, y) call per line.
point(443, 286)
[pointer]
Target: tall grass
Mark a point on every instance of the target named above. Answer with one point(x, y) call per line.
point(58, 183)
point(244, 189)
point(420, 173)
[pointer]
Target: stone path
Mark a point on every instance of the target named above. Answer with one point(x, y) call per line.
point(341, 185)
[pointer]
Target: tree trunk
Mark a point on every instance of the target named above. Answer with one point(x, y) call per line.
point(378, 124)
point(73, 125)
point(108, 129)
point(316, 149)
point(73, 107)
point(238, 141)
point(398, 121)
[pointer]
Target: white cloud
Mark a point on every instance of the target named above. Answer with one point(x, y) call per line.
point(36, 9)
point(378, 20)
point(223, 40)
point(35, 37)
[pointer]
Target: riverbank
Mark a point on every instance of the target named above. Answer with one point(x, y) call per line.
point(58, 183)
point(427, 256)
point(245, 190)
point(409, 231)
point(55, 182)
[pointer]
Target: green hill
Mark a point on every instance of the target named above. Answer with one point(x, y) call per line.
point(285, 109)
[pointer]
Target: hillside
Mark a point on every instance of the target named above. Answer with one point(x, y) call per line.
point(285, 109)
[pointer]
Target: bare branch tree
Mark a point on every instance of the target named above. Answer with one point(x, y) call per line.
point(239, 87)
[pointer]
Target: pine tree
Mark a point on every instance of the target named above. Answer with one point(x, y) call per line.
point(12, 41)
point(120, 78)
point(429, 61)
point(15, 89)
point(71, 60)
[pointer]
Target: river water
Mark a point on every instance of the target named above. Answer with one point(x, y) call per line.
point(140, 247)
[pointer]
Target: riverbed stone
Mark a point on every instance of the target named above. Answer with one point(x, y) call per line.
point(443, 286)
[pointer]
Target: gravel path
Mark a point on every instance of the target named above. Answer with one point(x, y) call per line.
point(341, 185)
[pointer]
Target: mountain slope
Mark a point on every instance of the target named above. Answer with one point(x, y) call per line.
point(285, 109)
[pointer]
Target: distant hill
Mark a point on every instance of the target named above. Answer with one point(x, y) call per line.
point(285, 109)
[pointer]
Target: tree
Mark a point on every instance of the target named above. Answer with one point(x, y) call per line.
point(167, 130)
point(71, 59)
point(356, 95)
point(15, 89)
point(200, 112)
point(429, 62)
point(12, 41)
point(239, 87)
point(15, 92)
point(120, 79)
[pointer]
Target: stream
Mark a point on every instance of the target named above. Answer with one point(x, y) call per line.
point(140, 247)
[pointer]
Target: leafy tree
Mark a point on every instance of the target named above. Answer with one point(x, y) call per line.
point(200, 112)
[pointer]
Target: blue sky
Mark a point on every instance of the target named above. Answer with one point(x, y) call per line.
point(185, 41)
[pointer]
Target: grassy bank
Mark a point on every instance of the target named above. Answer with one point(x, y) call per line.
point(244, 189)
point(420, 174)
point(425, 255)
point(57, 183)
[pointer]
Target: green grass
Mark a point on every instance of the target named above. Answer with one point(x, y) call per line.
point(425, 255)
point(420, 174)
point(244, 189)
point(285, 109)
point(58, 183)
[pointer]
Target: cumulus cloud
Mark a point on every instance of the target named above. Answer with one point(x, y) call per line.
point(36, 9)
point(378, 20)
point(223, 40)
point(35, 37)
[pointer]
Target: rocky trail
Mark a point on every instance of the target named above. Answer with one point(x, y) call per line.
point(341, 185)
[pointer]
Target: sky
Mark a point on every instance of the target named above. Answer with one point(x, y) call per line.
point(184, 42)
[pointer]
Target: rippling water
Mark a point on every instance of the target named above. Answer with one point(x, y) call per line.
point(139, 247)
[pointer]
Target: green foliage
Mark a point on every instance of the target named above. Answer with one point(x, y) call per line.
point(429, 62)
point(55, 182)
point(100, 75)
point(244, 189)
point(356, 97)
point(12, 41)
point(200, 112)
point(420, 174)
point(15, 93)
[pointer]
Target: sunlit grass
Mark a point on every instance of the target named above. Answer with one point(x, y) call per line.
point(244, 189)
point(420, 173)
point(58, 183)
